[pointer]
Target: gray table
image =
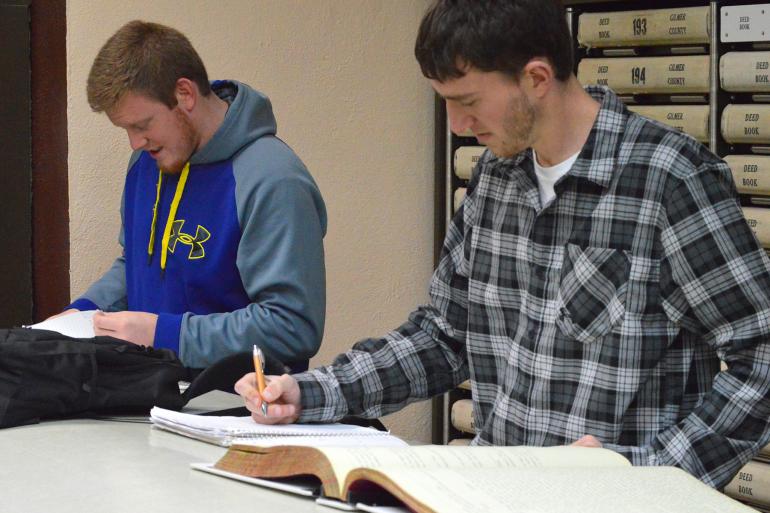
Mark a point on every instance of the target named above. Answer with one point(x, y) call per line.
point(100, 465)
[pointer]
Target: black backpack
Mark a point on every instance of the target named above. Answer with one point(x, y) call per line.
point(44, 374)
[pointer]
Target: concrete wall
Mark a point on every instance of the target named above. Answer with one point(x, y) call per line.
point(349, 98)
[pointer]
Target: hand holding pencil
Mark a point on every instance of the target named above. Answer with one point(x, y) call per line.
point(281, 392)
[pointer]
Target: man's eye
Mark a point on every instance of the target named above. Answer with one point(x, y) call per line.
point(470, 103)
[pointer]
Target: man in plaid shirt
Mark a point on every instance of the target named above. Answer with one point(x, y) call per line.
point(596, 273)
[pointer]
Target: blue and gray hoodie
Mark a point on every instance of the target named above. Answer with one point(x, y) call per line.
point(245, 259)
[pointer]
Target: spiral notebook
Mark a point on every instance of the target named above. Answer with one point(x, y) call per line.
point(226, 431)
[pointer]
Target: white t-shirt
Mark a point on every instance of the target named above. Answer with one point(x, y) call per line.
point(548, 176)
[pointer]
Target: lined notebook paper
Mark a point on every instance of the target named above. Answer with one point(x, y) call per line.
point(226, 431)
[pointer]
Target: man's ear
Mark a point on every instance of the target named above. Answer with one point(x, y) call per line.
point(187, 94)
point(538, 76)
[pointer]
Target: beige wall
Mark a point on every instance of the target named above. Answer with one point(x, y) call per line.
point(350, 100)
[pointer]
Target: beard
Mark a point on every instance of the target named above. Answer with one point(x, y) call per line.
point(517, 128)
point(186, 144)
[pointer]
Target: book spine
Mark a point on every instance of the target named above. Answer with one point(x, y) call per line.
point(745, 72)
point(746, 123)
point(764, 451)
point(690, 119)
point(462, 416)
point(752, 483)
point(459, 197)
point(665, 75)
point(644, 28)
point(751, 173)
point(759, 221)
point(466, 158)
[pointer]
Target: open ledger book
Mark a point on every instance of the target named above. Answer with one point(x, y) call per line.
point(479, 479)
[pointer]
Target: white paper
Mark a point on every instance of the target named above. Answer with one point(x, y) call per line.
point(226, 431)
point(275, 484)
point(76, 324)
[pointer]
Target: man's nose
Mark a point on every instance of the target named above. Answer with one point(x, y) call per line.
point(137, 141)
point(459, 120)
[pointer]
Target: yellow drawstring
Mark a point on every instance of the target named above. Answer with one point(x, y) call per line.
point(151, 246)
point(171, 215)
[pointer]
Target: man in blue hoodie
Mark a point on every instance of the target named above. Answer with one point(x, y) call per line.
point(223, 225)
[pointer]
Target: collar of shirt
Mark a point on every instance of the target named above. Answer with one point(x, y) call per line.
point(598, 158)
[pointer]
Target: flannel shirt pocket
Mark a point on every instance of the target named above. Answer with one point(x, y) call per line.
point(592, 291)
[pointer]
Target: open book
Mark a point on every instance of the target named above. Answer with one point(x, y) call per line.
point(482, 479)
point(225, 431)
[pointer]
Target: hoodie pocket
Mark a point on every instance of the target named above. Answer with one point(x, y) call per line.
point(592, 292)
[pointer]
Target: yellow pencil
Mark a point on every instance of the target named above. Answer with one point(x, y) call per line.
point(258, 363)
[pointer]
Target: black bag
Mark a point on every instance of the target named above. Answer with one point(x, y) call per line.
point(44, 374)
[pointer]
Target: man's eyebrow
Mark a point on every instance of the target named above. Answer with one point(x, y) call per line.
point(459, 97)
point(141, 122)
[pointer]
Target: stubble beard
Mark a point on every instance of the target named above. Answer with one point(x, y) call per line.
point(518, 122)
point(187, 143)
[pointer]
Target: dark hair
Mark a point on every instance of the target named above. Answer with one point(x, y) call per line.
point(145, 58)
point(493, 35)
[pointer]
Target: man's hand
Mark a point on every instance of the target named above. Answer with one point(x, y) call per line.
point(135, 327)
point(65, 312)
point(281, 393)
point(587, 441)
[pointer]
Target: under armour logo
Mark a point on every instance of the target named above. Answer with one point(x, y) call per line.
point(195, 243)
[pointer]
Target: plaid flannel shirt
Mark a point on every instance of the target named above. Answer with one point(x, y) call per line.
point(603, 312)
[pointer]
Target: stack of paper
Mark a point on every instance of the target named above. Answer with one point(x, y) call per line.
point(226, 431)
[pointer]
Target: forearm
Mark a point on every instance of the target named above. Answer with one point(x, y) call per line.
point(287, 335)
point(726, 429)
point(380, 376)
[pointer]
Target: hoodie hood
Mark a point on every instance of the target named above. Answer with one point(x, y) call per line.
point(249, 117)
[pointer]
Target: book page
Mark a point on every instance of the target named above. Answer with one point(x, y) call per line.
point(433, 457)
point(75, 324)
point(577, 490)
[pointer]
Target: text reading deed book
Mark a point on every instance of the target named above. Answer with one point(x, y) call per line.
point(472, 479)
point(227, 430)
point(751, 484)
point(686, 25)
point(746, 123)
point(759, 222)
point(745, 72)
point(648, 75)
point(751, 173)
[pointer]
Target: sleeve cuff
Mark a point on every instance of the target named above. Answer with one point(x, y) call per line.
point(82, 304)
point(167, 332)
point(318, 397)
